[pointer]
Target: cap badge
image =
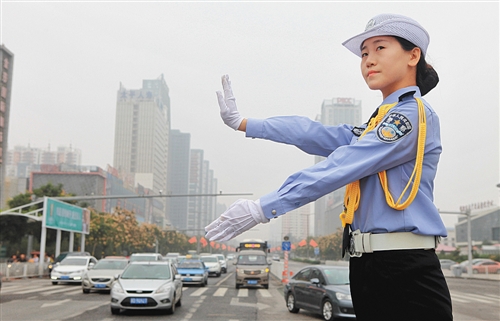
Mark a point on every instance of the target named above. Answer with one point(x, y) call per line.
point(370, 25)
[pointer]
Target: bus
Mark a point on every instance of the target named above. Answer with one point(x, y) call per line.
point(253, 244)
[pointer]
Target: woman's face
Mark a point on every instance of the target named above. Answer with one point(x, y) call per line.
point(386, 66)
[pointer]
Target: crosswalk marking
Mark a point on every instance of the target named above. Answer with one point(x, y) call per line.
point(220, 292)
point(242, 293)
point(264, 293)
point(469, 297)
point(59, 290)
point(199, 292)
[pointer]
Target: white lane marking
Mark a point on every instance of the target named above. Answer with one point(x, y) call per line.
point(55, 303)
point(220, 292)
point(224, 279)
point(470, 298)
point(199, 292)
point(59, 290)
point(243, 293)
point(264, 292)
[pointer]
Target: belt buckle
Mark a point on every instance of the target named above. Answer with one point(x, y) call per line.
point(352, 247)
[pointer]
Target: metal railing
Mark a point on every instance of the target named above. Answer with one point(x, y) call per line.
point(23, 270)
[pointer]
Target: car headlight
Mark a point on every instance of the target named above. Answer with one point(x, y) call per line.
point(117, 288)
point(343, 296)
point(164, 289)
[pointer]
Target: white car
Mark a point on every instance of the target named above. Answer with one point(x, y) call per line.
point(147, 285)
point(222, 262)
point(212, 262)
point(72, 269)
point(102, 275)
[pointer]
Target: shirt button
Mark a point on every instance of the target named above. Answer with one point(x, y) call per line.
point(273, 212)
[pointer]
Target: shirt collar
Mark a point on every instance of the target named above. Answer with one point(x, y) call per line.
point(394, 97)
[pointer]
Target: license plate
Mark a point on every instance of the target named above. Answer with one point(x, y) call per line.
point(100, 285)
point(64, 277)
point(138, 300)
point(188, 279)
point(252, 282)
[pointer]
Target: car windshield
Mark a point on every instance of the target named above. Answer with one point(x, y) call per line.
point(190, 265)
point(252, 259)
point(337, 276)
point(209, 259)
point(142, 258)
point(146, 271)
point(74, 261)
point(110, 265)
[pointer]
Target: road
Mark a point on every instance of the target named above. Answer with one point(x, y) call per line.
point(37, 299)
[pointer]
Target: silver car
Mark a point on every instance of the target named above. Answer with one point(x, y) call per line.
point(72, 269)
point(101, 276)
point(147, 285)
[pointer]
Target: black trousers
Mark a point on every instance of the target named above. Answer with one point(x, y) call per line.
point(399, 285)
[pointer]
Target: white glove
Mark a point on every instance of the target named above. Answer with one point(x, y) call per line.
point(241, 216)
point(227, 103)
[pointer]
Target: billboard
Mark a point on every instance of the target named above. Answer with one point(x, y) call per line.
point(63, 216)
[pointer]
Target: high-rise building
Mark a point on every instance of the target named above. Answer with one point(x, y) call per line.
point(201, 208)
point(7, 61)
point(142, 129)
point(327, 209)
point(296, 224)
point(178, 178)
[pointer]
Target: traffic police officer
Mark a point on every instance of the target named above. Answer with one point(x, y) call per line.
point(388, 166)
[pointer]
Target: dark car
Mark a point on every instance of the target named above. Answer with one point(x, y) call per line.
point(321, 289)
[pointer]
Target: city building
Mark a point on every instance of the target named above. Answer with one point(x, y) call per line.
point(327, 209)
point(297, 224)
point(21, 161)
point(178, 178)
point(7, 61)
point(201, 208)
point(142, 127)
point(485, 227)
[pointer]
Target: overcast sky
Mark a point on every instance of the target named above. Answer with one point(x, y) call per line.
point(284, 58)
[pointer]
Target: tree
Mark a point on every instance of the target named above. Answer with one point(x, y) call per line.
point(330, 246)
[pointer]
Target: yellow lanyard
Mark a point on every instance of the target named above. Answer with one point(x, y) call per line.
point(353, 193)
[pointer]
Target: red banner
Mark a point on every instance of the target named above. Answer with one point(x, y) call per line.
point(313, 243)
point(203, 242)
point(192, 240)
point(303, 243)
point(223, 246)
point(212, 244)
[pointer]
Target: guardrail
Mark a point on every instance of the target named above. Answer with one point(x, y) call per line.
point(23, 270)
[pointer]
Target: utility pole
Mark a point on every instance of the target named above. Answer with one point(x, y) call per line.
point(469, 236)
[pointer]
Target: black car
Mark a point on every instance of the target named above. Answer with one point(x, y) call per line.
point(322, 289)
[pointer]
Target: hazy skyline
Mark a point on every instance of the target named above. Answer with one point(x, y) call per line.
point(283, 58)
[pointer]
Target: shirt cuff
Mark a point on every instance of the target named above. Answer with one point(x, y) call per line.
point(271, 205)
point(254, 128)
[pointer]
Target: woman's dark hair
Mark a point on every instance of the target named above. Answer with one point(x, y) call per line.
point(427, 77)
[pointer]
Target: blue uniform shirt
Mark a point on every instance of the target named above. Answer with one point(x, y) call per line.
point(348, 159)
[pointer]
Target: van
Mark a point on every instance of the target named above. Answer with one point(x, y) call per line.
point(252, 269)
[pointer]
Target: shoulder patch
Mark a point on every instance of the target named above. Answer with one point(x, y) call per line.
point(394, 127)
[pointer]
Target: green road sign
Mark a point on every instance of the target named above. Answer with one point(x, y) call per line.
point(64, 216)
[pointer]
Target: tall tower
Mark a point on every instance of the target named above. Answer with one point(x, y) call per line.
point(327, 209)
point(7, 61)
point(178, 178)
point(142, 128)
